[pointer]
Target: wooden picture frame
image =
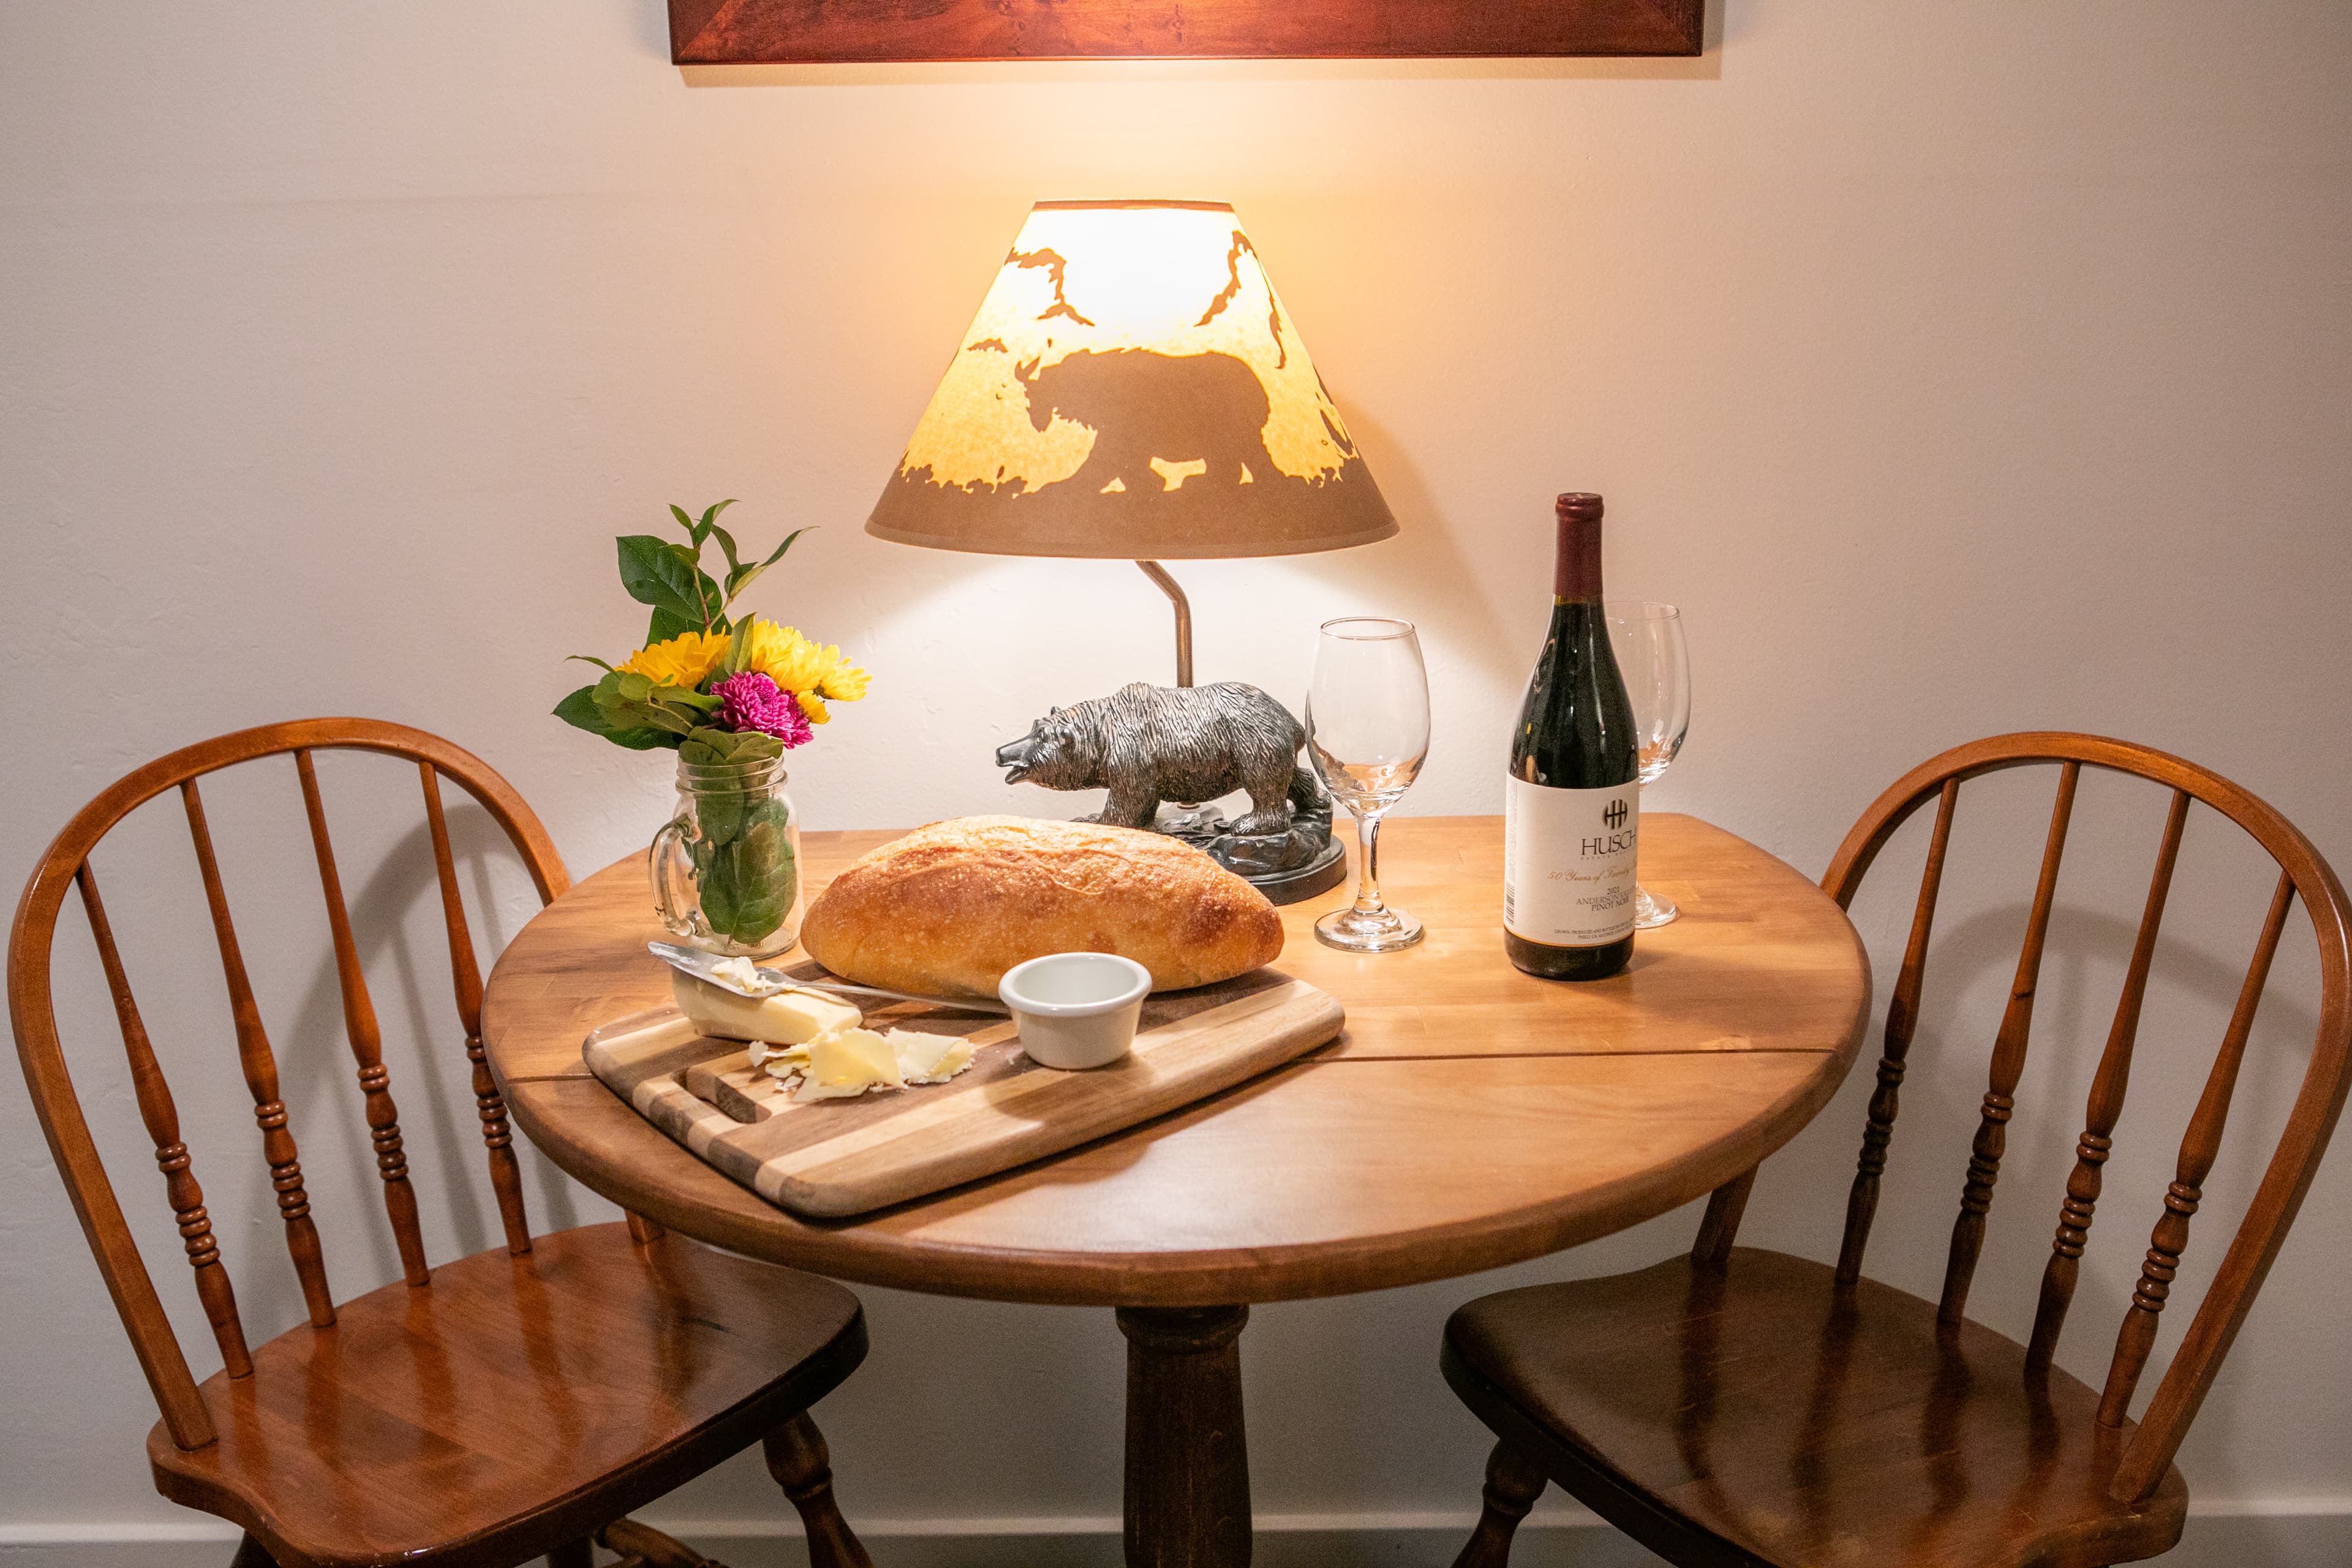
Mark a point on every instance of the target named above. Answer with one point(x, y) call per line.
point(804, 32)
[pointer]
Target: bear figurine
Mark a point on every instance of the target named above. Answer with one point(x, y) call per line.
point(1147, 743)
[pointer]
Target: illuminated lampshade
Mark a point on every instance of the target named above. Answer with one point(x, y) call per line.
point(1132, 387)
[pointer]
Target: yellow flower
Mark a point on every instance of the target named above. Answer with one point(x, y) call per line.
point(686, 659)
point(812, 672)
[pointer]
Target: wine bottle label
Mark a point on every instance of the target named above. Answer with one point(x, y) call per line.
point(1568, 862)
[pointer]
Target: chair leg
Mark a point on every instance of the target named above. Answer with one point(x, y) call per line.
point(797, 1458)
point(1513, 1484)
point(251, 1554)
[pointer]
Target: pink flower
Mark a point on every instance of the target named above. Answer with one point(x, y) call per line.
point(752, 702)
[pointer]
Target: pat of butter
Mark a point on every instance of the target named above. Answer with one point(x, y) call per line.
point(857, 1056)
point(788, 1018)
point(928, 1058)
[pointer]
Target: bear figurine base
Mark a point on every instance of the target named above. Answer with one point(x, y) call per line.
point(1151, 745)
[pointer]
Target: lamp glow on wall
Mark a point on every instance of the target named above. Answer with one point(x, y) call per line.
point(1132, 388)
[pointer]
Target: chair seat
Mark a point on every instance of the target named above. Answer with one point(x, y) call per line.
point(512, 1404)
point(1762, 1415)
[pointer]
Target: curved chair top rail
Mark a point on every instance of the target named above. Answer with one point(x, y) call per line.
point(2282, 839)
point(2305, 875)
point(66, 865)
point(134, 789)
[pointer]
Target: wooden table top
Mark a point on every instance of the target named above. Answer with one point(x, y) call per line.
point(1469, 1117)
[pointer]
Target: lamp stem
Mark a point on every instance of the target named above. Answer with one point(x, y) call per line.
point(1167, 585)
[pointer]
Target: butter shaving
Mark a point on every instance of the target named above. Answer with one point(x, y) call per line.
point(844, 1063)
point(928, 1058)
point(739, 974)
point(778, 1061)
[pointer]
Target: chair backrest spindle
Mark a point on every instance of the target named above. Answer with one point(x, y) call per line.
point(2008, 1063)
point(2106, 1103)
point(366, 1038)
point(2198, 1148)
point(260, 1066)
point(33, 1017)
point(162, 1118)
point(489, 1106)
point(1902, 1022)
point(2146, 1454)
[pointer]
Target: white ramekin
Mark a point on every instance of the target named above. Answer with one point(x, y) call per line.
point(1075, 1009)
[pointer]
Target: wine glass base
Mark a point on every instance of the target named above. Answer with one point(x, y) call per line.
point(1352, 931)
point(1650, 912)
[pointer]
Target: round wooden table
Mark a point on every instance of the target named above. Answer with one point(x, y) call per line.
point(1469, 1117)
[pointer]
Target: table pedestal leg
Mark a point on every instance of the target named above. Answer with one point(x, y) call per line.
point(1187, 1460)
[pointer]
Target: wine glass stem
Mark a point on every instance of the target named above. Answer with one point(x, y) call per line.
point(1368, 861)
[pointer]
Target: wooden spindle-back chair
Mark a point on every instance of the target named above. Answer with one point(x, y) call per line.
point(484, 1412)
point(1738, 1406)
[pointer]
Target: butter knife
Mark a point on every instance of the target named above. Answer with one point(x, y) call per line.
point(698, 963)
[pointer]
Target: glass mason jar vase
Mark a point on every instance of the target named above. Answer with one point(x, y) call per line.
point(726, 868)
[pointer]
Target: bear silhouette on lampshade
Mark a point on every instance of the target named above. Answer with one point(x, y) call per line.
point(1132, 388)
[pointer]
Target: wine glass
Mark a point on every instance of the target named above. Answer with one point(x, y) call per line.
point(1648, 641)
point(1368, 733)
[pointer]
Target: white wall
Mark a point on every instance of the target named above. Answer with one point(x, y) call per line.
point(1959, 368)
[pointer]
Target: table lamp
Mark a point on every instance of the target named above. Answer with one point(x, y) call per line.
point(1133, 389)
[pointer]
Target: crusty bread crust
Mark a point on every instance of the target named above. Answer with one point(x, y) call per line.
point(949, 907)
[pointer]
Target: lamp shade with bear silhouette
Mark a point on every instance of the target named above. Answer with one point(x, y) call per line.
point(1132, 387)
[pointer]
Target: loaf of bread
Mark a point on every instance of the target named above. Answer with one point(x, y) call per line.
point(949, 907)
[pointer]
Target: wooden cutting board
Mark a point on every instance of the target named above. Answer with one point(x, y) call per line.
point(838, 1157)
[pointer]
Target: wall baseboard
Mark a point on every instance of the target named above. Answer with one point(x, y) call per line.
point(2287, 1532)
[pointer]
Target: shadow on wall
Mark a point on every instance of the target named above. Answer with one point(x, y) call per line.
point(1401, 571)
point(1948, 1074)
point(413, 994)
point(440, 1090)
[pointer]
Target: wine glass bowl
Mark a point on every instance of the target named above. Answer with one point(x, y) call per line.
point(1653, 659)
point(1367, 737)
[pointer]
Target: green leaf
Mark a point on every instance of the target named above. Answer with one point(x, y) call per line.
point(721, 813)
point(627, 701)
point(587, 658)
point(787, 544)
point(740, 577)
point(664, 625)
point(714, 885)
point(766, 873)
point(698, 531)
point(664, 575)
point(711, 512)
point(579, 711)
point(739, 650)
point(709, 747)
point(726, 548)
point(747, 881)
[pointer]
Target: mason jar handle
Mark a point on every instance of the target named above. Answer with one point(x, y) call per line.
point(675, 908)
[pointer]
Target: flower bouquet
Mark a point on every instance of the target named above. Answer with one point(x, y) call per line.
point(730, 697)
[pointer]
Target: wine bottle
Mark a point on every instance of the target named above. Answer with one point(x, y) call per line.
point(1572, 812)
